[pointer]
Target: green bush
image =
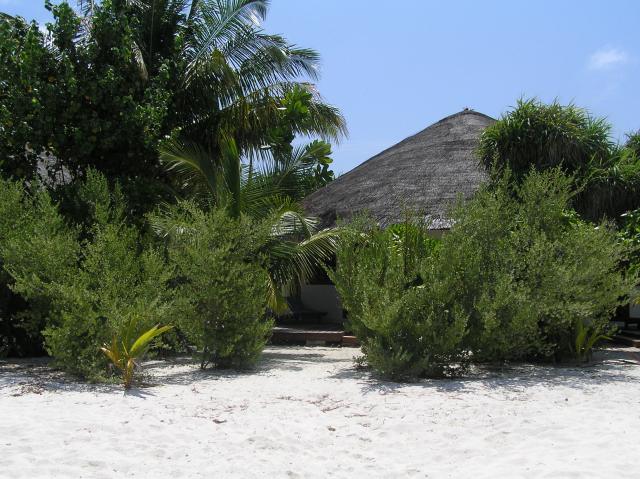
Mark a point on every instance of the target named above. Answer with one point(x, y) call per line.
point(117, 284)
point(519, 276)
point(221, 290)
point(35, 243)
point(529, 269)
point(544, 136)
point(90, 283)
point(401, 312)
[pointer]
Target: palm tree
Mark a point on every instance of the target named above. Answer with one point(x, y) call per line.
point(231, 80)
point(228, 74)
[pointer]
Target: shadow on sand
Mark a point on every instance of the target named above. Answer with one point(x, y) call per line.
point(185, 370)
point(611, 366)
point(34, 376)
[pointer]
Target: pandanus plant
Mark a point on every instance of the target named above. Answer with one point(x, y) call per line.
point(125, 352)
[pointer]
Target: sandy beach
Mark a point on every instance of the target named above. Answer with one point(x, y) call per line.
point(309, 413)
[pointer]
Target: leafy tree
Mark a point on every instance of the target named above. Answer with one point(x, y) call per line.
point(229, 77)
point(546, 136)
point(633, 143)
point(101, 90)
point(611, 190)
point(80, 100)
point(295, 108)
point(25, 69)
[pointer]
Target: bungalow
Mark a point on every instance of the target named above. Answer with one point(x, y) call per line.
point(424, 173)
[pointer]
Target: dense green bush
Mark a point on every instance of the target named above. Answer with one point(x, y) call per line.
point(82, 285)
point(519, 276)
point(401, 312)
point(34, 242)
point(530, 270)
point(543, 136)
point(221, 285)
point(86, 284)
point(117, 286)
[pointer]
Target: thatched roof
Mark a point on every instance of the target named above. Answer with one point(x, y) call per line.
point(423, 174)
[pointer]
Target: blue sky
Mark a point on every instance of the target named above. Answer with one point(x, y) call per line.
point(396, 67)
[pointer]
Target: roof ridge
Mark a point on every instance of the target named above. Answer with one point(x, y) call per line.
point(466, 111)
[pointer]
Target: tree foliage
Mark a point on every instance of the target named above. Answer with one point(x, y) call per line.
point(102, 90)
point(544, 136)
point(80, 100)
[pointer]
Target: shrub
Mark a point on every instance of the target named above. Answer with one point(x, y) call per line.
point(221, 295)
point(36, 243)
point(116, 284)
point(519, 276)
point(92, 283)
point(401, 312)
point(529, 269)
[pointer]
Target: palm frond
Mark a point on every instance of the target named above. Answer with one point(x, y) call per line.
point(293, 263)
point(193, 163)
point(144, 340)
point(217, 22)
point(139, 61)
point(171, 221)
point(232, 171)
point(292, 223)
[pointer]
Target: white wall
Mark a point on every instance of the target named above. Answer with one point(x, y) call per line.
point(323, 297)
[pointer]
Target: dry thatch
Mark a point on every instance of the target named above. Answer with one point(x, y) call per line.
point(423, 174)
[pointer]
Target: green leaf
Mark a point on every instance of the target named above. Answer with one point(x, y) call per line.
point(143, 341)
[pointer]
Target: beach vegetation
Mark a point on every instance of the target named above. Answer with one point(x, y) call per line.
point(166, 101)
point(126, 351)
point(402, 312)
point(606, 175)
point(221, 283)
point(85, 283)
point(519, 277)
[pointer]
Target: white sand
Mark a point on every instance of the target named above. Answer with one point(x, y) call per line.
point(306, 412)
